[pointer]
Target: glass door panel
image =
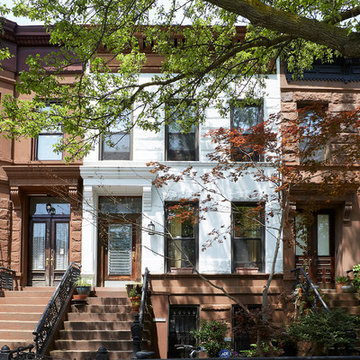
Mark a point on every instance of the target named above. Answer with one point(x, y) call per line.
point(323, 234)
point(38, 246)
point(61, 245)
point(120, 249)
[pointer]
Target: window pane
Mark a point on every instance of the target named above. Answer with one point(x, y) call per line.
point(323, 234)
point(119, 147)
point(178, 249)
point(38, 246)
point(62, 245)
point(246, 117)
point(119, 249)
point(247, 222)
point(247, 253)
point(45, 147)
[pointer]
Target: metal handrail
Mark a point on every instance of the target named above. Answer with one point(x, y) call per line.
point(6, 278)
point(143, 297)
point(311, 285)
point(54, 310)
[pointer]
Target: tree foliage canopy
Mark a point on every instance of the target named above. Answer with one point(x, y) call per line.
point(209, 61)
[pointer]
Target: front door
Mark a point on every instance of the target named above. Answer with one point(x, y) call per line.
point(119, 241)
point(49, 242)
point(315, 245)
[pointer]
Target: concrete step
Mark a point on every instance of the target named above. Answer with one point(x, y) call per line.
point(95, 334)
point(110, 292)
point(18, 325)
point(96, 325)
point(48, 289)
point(28, 300)
point(100, 317)
point(343, 303)
point(87, 355)
point(93, 345)
point(108, 301)
point(101, 309)
point(25, 294)
point(17, 334)
point(22, 308)
point(20, 316)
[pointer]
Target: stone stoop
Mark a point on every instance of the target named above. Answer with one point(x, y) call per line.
point(20, 311)
point(349, 302)
point(104, 320)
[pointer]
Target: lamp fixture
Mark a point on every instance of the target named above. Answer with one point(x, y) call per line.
point(151, 228)
point(50, 209)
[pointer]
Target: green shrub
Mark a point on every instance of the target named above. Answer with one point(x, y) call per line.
point(356, 280)
point(325, 329)
point(211, 336)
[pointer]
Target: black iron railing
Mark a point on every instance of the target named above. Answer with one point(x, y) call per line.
point(307, 286)
point(55, 309)
point(6, 278)
point(137, 327)
point(21, 353)
point(144, 294)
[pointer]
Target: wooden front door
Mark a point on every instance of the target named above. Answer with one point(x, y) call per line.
point(119, 249)
point(49, 248)
point(315, 245)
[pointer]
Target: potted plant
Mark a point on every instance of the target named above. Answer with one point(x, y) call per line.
point(340, 281)
point(133, 291)
point(83, 288)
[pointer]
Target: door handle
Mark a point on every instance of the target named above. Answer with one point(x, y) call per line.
point(52, 260)
point(133, 255)
point(46, 261)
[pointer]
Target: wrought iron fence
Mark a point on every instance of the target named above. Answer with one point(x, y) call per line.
point(55, 309)
point(21, 353)
point(6, 278)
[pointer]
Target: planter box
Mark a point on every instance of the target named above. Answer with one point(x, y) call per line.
point(247, 270)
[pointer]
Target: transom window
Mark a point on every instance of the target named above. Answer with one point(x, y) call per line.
point(181, 145)
point(116, 142)
point(247, 236)
point(181, 221)
point(244, 119)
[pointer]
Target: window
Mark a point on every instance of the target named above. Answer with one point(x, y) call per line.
point(47, 139)
point(45, 143)
point(243, 119)
point(247, 236)
point(309, 119)
point(116, 142)
point(182, 320)
point(180, 145)
point(181, 221)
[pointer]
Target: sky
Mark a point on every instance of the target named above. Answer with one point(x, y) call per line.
point(19, 20)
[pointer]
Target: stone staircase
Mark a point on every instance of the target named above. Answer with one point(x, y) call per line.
point(20, 312)
point(348, 301)
point(104, 321)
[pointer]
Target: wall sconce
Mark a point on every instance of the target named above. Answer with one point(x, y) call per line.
point(50, 209)
point(151, 228)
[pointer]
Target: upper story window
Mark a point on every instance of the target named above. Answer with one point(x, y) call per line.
point(244, 119)
point(116, 142)
point(45, 142)
point(247, 236)
point(310, 117)
point(181, 223)
point(180, 145)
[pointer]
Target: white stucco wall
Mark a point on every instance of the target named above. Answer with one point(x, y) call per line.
point(132, 177)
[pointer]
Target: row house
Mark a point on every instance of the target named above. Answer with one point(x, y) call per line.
point(106, 213)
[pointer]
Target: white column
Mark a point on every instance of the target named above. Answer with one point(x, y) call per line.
point(89, 234)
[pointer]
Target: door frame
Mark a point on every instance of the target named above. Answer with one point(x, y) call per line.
point(50, 247)
point(103, 237)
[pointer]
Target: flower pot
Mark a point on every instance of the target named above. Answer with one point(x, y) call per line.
point(347, 289)
point(338, 287)
point(77, 297)
point(246, 270)
point(135, 304)
point(83, 290)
